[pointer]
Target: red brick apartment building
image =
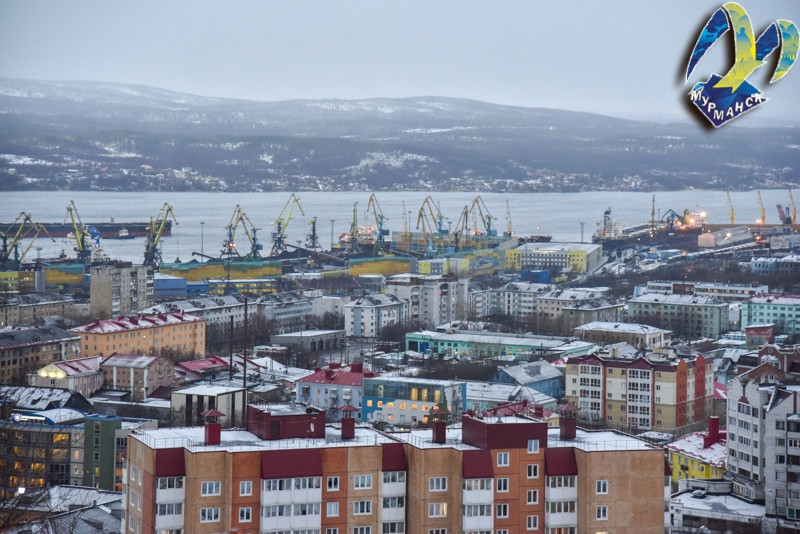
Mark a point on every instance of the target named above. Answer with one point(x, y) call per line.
point(290, 473)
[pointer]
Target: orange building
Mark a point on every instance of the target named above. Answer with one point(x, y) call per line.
point(289, 472)
point(143, 334)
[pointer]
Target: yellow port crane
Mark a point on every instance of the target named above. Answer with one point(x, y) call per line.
point(730, 205)
point(83, 246)
point(763, 211)
point(152, 255)
point(479, 210)
point(380, 240)
point(26, 226)
point(240, 218)
point(794, 208)
point(282, 223)
point(431, 220)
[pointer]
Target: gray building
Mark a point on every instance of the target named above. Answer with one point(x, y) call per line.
point(119, 289)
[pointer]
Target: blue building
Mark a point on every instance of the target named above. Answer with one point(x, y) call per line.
point(539, 375)
point(407, 401)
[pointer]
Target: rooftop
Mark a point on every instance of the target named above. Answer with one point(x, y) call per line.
point(14, 337)
point(600, 440)
point(720, 504)
point(684, 300)
point(138, 322)
point(139, 361)
point(691, 445)
point(631, 328)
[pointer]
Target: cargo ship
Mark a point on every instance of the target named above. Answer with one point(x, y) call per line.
point(107, 230)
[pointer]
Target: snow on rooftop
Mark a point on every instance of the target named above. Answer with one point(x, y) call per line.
point(208, 390)
point(602, 440)
point(726, 504)
point(691, 445)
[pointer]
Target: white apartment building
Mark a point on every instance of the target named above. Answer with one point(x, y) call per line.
point(365, 317)
point(432, 299)
point(215, 310)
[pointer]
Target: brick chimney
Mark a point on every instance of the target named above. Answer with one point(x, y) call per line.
point(712, 436)
point(212, 433)
point(567, 427)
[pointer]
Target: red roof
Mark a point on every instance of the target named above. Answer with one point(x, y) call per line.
point(212, 362)
point(560, 461)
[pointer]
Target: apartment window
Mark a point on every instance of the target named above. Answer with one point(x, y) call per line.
point(502, 459)
point(333, 483)
point(170, 482)
point(170, 509)
point(209, 515)
point(601, 487)
point(437, 531)
point(210, 488)
point(601, 513)
point(362, 507)
point(309, 508)
point(477, 510)
point(533, 497)
point(395, 527)
point(437, 483)
point(394, 502)
point(533, 470)
point(245, 514)
point(245, 488)
point(437, 509)
point(502, 510)
point(362, 530)
point(502, 531)
point(533, 446)
point(333, 530)
point(332, 509)
point(362, 481)
point(532, 522)
point(502, 485)
point(393, 477)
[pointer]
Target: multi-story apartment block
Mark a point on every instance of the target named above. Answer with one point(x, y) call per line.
point(365, 317)
point(562, 310)
point(143, 334)
point(291, 473)
point(217, 311)
point(686, 315)
point(574, 257)
point(640, 336)
point(432, 299)
point(32, 308)
point(779, 309)
point(659, 394)
point(18, 282)
point(517, 299)
point(409, 401)
point(23, 350)
point(289, 310)
point(334, 387)
point(768, 266)
point(137, 374)
point(729, 292)
point(119, 289)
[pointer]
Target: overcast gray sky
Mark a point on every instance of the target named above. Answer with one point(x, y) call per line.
point(622, 57)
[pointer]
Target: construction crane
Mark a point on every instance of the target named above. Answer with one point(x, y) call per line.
point(282, 223)
point(730, 205)
point(238, 218)
point(152, 255)
point(784, 215)
point(26, 228)
point(380, 241)
point(761, 207)
point(509, 232)
point(479, 210)
point(83, 246)
point(461, 230)
point(794, 208)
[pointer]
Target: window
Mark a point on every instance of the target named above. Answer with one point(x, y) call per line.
point(395, 527)
point(533, 470)
point(394, 477)
point(533, 446)
point(362, 481)
point(532, 522)
point(333, 530)
point(437, 483)
point(311, 508)
point(477, 510)
point(502, 531)
point(502, 485)
point(533, 497)
point(362, 530)
point(437, 531)
point(601, 487)
point(170, 482)
point(601, 513)
point(332, 509)
point(394, 502)
point(502, 459)
point(245, 514)
point(210, 488)
point(245, 488)
point(209, 515)
point(502, 510)
point(170, 509)
point(437, 509)
point(362, 507)
point(333, 483)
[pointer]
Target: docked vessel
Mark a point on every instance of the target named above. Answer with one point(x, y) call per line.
point(107, 230)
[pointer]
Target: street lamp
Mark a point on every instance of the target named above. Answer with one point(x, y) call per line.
point(202, 235)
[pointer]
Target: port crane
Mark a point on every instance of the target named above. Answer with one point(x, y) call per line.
point(83, 246)
point(763, 211)
point(480, 211)
point(152, 255)
point(27, 229)
point(312, 239)
point(431, 220)
point(730, 205)
point(509, 232)
point(784, 215)
point(461, 230)
point(282, 223)
point(794, 207)
point(240, 218)
point(380, 241)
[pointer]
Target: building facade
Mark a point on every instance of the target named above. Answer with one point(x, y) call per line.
point(24, 350)
point(409, 401)
point(119, 289)
point(686, 315)
point(365, 317)
point(640, 336)
point(573, 257)
point(143, 334)
point(137, 374)
point(333, 387)
point(431, 299)
point(779, 309)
